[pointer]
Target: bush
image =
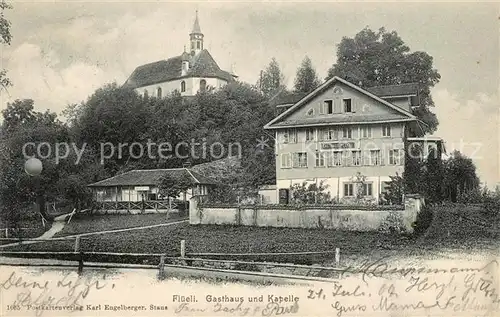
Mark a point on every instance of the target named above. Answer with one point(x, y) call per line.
point(394, 193)
point(489, 199)
point(393, 224)
point(310, 193)
point(423, 221)
point(246, 267)
point(492, 204)
point(474, 196)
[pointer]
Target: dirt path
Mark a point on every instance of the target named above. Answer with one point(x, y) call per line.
point(57, 226)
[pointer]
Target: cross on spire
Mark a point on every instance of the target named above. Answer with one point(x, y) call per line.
point(196, 25)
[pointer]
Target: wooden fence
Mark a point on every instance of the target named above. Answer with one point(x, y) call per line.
point(194, 260)
point(157, 205)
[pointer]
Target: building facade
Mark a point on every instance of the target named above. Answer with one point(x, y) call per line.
point(346, 137)
point(188, 73)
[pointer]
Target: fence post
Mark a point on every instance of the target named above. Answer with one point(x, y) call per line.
point(80, 263)
point(7, 233)
point(183, 248)
point(337, 256)
point(77, 244)
point(161, 268)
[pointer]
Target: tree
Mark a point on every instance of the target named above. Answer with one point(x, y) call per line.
point(306, 79)
point(310, 193)
point(271, 79)
point(433, 177)
point(414, 169)
point(22, 125)
point(382, 58)
point(172, 186)
point(395, 190)
point(5, 38)
point(459, 176)
point(112, 116)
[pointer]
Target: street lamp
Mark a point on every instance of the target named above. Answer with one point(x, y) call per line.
point(33, 167)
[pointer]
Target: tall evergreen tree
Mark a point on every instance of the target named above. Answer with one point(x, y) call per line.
point(306, 79)
point(434, 176)
point(271, 79)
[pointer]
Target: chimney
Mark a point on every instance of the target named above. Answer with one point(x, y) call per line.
point(185, 62)
point(185, 68)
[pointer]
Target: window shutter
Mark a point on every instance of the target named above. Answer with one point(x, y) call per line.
point(295, 160)
point(321, 107)
point(366, 157)
point(337, 105)
point(356, 105)
point(347, 158)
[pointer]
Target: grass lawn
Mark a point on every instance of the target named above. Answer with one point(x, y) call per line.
point(83, 223)
point(475, 231)
point(30, 226)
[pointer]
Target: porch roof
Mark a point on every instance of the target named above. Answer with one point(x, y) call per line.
point(152, 177)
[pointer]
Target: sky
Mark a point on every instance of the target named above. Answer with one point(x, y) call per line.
point(62, 51)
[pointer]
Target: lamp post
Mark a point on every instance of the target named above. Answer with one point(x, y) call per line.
point(33, 167)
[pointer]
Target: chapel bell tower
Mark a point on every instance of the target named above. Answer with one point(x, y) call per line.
point(196, 37)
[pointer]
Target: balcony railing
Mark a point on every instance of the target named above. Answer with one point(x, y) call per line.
point(138, 205)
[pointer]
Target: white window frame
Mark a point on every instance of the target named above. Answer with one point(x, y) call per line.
point(366, 132)
point(310, 137)
point(329, 134)
point(327, 103)
point(394, 157)
point(297, 162)
point(349, 133)
point(321, 158)
point(344, 105)
point(386, 131)
point(287, 158)
point(357, 157)
point(365, 189)
point(378, 158)
point(285, 137)
point(337, 158)
point(290, 136)
point(350, 189)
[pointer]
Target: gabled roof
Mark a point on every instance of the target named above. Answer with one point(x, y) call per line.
point(409, 89)
point(152, 177)
point(401, 115)
point(200, 65)
point(286, 98)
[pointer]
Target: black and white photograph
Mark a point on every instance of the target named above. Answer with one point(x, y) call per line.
point(237, 158)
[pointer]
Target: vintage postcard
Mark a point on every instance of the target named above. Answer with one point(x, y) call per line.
point(171, 158)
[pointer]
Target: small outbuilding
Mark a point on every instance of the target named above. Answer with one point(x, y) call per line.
point(138, 189)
